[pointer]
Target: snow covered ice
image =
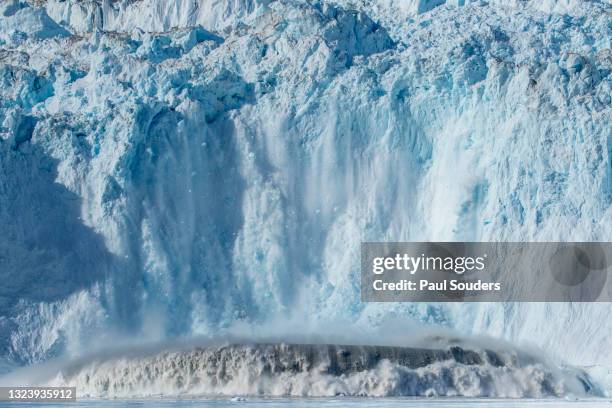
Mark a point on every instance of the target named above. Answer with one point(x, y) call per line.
point(180, 168)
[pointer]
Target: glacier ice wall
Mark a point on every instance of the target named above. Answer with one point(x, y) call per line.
point(176, 168)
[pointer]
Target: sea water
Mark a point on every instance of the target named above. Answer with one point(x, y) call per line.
point(328, 402)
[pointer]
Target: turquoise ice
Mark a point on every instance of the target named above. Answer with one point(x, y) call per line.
point(176, 168)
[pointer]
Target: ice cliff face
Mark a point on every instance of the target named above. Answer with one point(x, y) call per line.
point(172, 168)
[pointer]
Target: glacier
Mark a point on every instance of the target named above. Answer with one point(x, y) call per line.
point(192, 168)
